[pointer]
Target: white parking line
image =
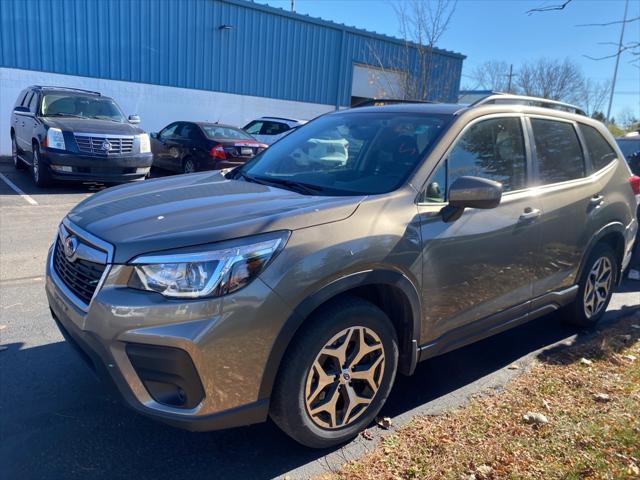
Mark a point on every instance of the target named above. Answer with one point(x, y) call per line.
point(16, 189)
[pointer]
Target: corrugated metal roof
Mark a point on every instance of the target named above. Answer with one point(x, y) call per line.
point(266, 52)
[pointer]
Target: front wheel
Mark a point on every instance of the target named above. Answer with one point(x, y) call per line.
point(337, 374)
point(595, 288)
point(39, 171)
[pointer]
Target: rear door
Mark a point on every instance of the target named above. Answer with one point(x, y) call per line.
point(20, 124)
point(570, 200)
point(161, 146)
point(483, 263)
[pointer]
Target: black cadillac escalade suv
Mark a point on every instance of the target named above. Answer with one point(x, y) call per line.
point(77, 135)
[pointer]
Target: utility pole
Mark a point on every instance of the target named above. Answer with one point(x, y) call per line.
point(510, 78)
point(615, 70)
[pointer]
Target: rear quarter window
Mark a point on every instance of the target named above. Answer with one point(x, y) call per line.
point(558, 151)
point(599, 149)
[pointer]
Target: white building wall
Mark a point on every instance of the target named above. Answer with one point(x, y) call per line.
point(157, 105)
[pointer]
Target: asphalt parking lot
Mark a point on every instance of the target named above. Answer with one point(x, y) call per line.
point(56, 421)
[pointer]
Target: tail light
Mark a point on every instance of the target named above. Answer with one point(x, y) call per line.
point(635, 184)
point(218, 152)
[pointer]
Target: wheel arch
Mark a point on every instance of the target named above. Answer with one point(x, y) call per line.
point(389, 290)
point(611, 234)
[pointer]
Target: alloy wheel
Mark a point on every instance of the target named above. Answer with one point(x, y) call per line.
point(189, 167)
point(36, 165)
point(598, 287)
point(14, 152)
point(344, 378)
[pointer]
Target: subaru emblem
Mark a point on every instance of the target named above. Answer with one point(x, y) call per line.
point(70, 247)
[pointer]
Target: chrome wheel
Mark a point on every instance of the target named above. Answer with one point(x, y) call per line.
point(14, 153)
point(36, 165)
point(344, 377)
point(598, 287)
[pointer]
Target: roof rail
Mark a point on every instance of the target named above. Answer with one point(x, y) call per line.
point(386, 101)
point(507, 98)
point(54, 87)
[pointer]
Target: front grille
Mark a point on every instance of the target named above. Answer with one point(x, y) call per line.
point(93, 145)
point(80, 276)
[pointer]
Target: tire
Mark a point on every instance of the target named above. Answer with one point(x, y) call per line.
point(39, 172)
point(189, 165)
point(17, 163)
point(298, 393)
point(591, 303)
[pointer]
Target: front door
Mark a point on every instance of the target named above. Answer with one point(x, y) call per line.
point(161, 146)
point(482, 263)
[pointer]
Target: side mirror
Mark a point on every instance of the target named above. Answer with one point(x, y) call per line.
point(21, 109)
point(154, 135)
point(134, 119)
point(471, 192)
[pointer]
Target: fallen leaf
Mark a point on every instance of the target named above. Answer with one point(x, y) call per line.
point(602, 397)
point(546, 405)
point(631, 358)
point(367, 435)
point(513, 366)
point(384, 422)
point(484, 472)
point(585, 361)
point(535, 418)
point(633, 469)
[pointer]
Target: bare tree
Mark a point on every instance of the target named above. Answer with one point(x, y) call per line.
point(552, 79)
point(422, 23)
point(549, 8)
point(492, 75)
point(592, 95)
point(626, 119)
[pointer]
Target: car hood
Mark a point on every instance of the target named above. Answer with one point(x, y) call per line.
point(196, 209)
point(90, 125)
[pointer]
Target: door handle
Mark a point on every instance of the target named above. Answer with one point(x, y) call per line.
point(530, 214)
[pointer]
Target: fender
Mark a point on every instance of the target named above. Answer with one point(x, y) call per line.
point(613, 227)
point(409, 353)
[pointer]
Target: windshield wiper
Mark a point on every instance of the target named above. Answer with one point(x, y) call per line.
point(304, 188)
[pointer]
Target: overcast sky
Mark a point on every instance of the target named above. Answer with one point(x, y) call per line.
point(501, 30)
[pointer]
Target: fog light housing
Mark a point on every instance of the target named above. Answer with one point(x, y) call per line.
point(62, 168)
point(167, 373)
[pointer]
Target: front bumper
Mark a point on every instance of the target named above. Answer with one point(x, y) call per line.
point(116, 169)
point(228, 344)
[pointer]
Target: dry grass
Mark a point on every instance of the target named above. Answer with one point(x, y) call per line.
point(585, 437)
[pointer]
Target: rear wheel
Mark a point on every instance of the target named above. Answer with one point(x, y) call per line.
point(595, 288)
point(188, 166)
point(39, 171)
point(17, 163)
point(337, 374)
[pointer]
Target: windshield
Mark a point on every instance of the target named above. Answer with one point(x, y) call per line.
point(629, 146)
point(64, 105)
point(216, 131)
point(349, 153)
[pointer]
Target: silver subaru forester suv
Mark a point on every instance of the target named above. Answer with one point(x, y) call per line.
point(298, 285)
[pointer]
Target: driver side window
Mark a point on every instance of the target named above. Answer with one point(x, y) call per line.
point(168, 132)
point(492, 149)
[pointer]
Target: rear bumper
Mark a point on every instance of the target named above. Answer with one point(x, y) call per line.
point(75, 167)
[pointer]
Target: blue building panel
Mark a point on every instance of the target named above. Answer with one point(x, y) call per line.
point(232, 46)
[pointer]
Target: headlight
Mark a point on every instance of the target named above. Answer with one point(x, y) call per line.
point(206, 273)
point(145, 144)
point(55, 138)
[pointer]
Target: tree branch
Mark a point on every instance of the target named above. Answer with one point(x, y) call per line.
point(616, 22)
point(549, 8)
